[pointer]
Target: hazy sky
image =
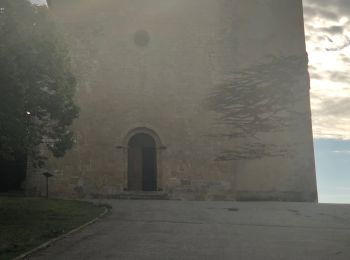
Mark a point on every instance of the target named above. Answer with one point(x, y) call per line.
point(327, 28)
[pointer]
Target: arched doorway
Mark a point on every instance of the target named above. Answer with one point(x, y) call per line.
point(142, 163)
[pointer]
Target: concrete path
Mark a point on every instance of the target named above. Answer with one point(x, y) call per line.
point(211, 230)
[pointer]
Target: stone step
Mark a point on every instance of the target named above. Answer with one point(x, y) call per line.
point(141, 195)
point(16, 193)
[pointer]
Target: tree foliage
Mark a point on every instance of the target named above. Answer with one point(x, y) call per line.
point(36, 83)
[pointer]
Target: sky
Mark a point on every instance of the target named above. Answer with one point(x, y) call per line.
point(327, 31)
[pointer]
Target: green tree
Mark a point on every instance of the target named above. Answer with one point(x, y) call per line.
point(36, 83)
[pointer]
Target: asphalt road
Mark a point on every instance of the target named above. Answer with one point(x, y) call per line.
point(139, 229)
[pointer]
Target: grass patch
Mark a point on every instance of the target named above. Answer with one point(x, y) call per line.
point(28, 222)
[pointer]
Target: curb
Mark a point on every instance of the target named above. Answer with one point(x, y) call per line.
point(53, 240)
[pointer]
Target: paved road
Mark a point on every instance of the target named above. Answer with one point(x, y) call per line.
point(211, 230)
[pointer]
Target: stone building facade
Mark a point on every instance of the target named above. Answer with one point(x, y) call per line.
point(197, 99)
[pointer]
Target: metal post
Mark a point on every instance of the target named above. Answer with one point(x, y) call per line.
point(47, 175)
point(47, 187)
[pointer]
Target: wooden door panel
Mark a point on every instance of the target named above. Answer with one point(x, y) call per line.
point(149, 170)
point(135, 168)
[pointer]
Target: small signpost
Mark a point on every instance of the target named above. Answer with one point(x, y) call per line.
point(47, 175)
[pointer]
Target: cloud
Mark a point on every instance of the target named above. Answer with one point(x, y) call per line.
point(38, 2)
point(327, 28)
point(335, 29)
point(343, 152)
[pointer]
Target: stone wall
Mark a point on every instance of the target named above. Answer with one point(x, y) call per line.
point(222, 85)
